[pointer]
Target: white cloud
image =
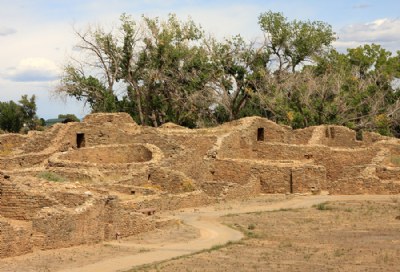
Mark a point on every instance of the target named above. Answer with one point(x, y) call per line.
point(5, 31)
point(33, 70)
point(383, 31)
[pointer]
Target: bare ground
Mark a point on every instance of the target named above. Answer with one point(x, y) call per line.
point(281, 233)
point(336, 236)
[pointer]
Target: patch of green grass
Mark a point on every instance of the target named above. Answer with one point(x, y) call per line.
point(285, 244)
point(231, 215)
point(395, 160)
point(158, 265)
point(218, 247)
point(50, 176)
point(248, 232)
point(278, 210)
point(338, 253)
point(251, 227)
point(323, 207)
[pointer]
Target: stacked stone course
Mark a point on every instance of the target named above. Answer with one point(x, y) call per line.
point(104, 172)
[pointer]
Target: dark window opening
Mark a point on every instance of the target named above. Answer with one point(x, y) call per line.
point(332, 130)
point(133, 192)
point(359, 135)
point(291, 182)
point(80, 140)
point(260, 134)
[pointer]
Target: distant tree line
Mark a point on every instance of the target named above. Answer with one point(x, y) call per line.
point(21, 117)
point(17, 116)
point(172, 71)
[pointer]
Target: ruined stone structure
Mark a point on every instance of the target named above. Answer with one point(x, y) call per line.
point(80, 183)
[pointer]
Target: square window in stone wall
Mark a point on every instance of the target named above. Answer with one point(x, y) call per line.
point(80, 140)
point(260, 134)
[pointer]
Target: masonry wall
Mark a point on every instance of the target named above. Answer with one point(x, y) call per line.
point(109, 154)
point(22, 161)
point(10, 142)
point(14, 240)
point(339, 136)
point(273, 178)
point(173, 202)
point(20, 204)
point(364, 185)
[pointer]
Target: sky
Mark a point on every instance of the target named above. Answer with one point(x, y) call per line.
point(36, 36)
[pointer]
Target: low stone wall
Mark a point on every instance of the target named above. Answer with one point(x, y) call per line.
point(14, 239)
point(174, 202)
point(363, 185)
point(109, 154)
point(20, 204)
point(10, 142)
point(115, 118)
point(22, 161)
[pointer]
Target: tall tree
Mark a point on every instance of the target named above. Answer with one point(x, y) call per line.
point(294, 42)
point(28, 110)
point(241, 70)
point(11, 117)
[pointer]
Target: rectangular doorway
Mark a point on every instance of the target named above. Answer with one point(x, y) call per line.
point(80, 140)
point(260, 134)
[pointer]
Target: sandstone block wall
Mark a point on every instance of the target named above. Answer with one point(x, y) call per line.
point(115, 118)
point(114, 168)
point(14, 240)
point(18, 204)
point(10, 142)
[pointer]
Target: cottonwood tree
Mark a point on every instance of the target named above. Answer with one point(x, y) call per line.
point(92, 76)
point(162, 66)
point(241, 70)
point(293, 42)
point(172, 71)
point(13, 116)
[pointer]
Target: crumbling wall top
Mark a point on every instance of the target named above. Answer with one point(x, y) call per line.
point(101, 118)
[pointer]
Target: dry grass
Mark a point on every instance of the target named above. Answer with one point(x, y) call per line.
point(342, 236)
point(6, 149)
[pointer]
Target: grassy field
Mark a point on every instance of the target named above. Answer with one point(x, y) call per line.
point(339, 236)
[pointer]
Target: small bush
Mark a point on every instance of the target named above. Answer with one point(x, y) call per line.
point(322, 207)
point(395, 160)
point(50, 176)
point(188, 185)
point(251, 227)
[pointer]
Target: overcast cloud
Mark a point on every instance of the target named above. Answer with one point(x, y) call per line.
point(33, 70)
point(385, 32)
point(5, 31)
point(36, 37)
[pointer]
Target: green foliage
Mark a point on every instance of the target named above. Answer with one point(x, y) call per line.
point(69, 116)
point(171, 71)
point(293, 42)
point(322, 207)
point(11, 116)
point(50, 176)
point(28, 110)
point(395, 160)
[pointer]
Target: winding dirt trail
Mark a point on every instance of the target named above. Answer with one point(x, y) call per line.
point(212, 232)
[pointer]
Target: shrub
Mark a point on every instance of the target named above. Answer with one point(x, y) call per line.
point(50, 176)
point(322, 207)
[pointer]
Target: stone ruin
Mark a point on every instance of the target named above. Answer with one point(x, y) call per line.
point(81, 183)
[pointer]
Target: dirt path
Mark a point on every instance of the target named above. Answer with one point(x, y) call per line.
point(211, 231)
